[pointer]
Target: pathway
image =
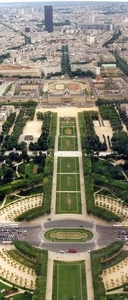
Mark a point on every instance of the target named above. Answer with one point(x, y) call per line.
point(90, 292)
point(54, 182)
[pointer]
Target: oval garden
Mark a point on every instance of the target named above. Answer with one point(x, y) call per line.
point(79, 235)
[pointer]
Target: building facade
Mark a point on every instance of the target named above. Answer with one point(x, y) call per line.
point(48, 13)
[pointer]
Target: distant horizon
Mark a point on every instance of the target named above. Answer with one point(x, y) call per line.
point(41, 1)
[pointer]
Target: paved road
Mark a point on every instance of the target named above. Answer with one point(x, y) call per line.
point(102, 235)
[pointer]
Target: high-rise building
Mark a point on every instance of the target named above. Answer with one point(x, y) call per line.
point(48, 13)
point(27, 29)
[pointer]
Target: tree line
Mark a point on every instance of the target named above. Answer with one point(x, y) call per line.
point(115, 36)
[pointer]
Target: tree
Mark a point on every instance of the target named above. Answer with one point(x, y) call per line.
point(24, 155)
point(8, 175)
point(40, 116)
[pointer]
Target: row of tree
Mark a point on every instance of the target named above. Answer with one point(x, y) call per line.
point(43, 140)
point(8, 123)
point(66, 67)
point(115, 36)
point(65, 61)
point(110, 113)
point(121, 64)
point(92, 141)
point(3, 57)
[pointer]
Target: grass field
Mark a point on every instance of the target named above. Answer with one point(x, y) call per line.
point(68, 165)
point(4, 286)
point(22, 296)
point(26, 169)
point(68, 182)
point(10, 198)
point(67, 143)
point(68, 129)
point(68, 203)
point(68, 235)
point(69, 281)
point(68, 135)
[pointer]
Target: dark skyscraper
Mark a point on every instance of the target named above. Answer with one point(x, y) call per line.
point(48, 13)
point(27, 29)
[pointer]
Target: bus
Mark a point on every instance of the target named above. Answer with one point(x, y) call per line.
point(7, 242)
point(71, 250)
point(118, 226)
point(13, 225)
point(125, 225)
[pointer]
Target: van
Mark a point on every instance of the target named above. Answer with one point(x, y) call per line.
point(61, 251)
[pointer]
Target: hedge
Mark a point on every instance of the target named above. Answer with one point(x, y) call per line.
point(26, 249)
point(115, 260)
point(52, 133)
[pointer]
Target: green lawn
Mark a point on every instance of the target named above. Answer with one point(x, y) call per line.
point(4, 286)
point(68, 165)
point(11, 198)
point(69, 281)
point(23, 296)
point(68, 182)
point(68, 203)
point(68, 130)
point(28, 169)
point(21, 259)
point(67, 143)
